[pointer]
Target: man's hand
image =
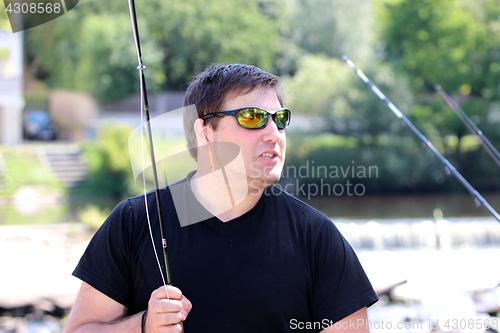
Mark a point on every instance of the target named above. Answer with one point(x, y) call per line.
point(94, 312)
point(167, 310)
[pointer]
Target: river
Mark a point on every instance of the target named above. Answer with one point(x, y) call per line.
point(450, 264)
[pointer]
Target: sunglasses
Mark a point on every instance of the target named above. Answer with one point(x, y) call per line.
point(255, 118)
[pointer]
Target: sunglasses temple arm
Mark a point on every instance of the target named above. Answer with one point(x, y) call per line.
point(450, 169)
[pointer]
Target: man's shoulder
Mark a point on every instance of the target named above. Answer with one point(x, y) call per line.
point(165, 193)
point(135, 206)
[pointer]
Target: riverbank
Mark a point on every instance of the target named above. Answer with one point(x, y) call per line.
point(37, 261)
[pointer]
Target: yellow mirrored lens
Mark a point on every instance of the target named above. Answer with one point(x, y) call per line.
point(281, 118)
point(252, 118)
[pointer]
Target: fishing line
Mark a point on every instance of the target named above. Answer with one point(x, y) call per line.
point(146, 203)
point(145, 114)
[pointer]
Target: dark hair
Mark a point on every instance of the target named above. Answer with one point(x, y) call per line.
point(211, 89)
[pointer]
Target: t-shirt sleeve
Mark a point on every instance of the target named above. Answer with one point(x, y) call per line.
point(341, 286)
point(105, 261)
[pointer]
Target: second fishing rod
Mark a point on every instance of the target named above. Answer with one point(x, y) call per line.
point(483, 140)
point(448, 166)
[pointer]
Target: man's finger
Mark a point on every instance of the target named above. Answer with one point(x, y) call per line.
point(186, 307)
point(172, 329)
point(170, 293)
point(167, 319)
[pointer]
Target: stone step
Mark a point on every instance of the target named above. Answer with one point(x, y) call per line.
point(64, 159)
point(66, 163)
point(69, 167)
point(72, 183)
point(63, 153)
point(69, 175)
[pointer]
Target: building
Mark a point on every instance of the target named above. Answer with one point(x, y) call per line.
point(11, 87)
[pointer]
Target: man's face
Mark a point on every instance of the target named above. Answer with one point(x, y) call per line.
point(263, 150)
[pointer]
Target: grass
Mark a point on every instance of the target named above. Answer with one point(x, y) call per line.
point(23, 168)
point(12, 215)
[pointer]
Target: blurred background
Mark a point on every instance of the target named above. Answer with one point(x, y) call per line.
point(69, 100)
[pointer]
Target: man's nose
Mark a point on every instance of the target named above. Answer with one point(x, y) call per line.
point(272, 133)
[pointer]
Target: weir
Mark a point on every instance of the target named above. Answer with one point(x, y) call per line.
point(395, 234)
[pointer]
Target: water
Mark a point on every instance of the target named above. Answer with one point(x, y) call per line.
point(342, 207)
point(396, 234)
point(450, 264)
point(37, 212)
point(403, 206)
point(448, 271)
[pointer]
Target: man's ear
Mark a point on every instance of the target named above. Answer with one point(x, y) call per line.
point(201, 131)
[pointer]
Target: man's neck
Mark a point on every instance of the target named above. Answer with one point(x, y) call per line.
point(222, 200)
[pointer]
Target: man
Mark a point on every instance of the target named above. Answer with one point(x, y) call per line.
point(259, 261)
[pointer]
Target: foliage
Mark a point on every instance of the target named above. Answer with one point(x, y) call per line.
point(93, 53)
point(173, 159)
point(4, 19)
point(178, 39)
point(24, 168)
point(435, 41)
point(109, 163)
point(112, 62)
point(48, 214)
point(93, 216)
point(334, 28)
point(341, 101)
point(3, 54)
point(197, 33)
point(404, 46)
point(398, 166)
point(456, 44)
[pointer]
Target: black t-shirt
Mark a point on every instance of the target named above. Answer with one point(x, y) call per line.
point(279, 265)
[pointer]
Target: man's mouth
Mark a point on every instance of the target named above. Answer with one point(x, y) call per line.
point(268, 155)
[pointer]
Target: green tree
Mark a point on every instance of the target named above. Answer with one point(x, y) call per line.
point(361, 129)
point(328, 89)
point(456, 44)
point(436, 41)
point(110, 173)
point(197, 33)
point(107, 69)
point(92, 52)
point(335, 27)
point(91, 48)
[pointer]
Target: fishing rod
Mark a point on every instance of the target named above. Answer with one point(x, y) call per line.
point(470, 125)
point(145, 113)
point(450, 169)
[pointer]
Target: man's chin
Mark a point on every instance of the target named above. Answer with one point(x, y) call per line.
point(263, 182)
